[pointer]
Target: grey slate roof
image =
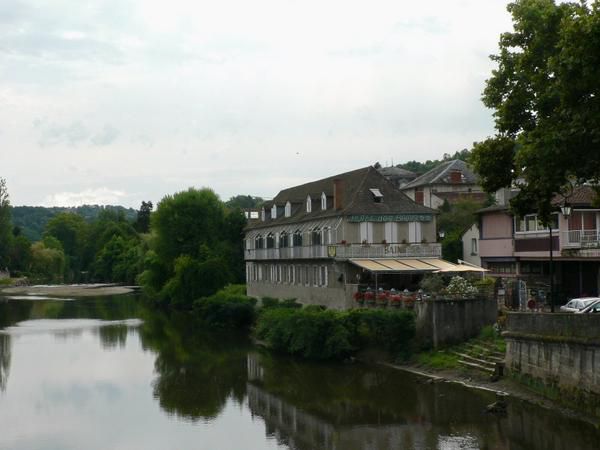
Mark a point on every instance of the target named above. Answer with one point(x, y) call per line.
point(441, 175)
point(357, 199)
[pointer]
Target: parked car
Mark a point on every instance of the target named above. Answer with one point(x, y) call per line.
point(577, 304)
point(592, 308)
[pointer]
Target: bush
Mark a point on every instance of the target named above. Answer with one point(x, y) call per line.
point(269, 302)
point(228, 308)
point(314, 333)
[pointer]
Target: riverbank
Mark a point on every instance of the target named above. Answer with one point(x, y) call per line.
point(472, 379)
point(69, 290)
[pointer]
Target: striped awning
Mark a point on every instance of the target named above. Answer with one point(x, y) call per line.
point(421, 265)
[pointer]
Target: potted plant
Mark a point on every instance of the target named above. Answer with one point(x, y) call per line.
point(359, 298)
point(369, 297)
point(382, 297)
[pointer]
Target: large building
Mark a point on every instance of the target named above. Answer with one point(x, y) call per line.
point(318, 242)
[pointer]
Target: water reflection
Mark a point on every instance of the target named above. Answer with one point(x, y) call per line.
point(197, 372)
point(4, 360)
point(111, 373)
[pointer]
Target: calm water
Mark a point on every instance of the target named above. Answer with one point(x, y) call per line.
point(109, 374)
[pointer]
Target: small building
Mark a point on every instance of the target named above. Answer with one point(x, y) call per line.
point(470, 244)
point(451, 181)
point(320, 241)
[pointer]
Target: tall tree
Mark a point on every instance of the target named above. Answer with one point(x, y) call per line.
point(545, 94)
point(142, 223)
point(5, 225)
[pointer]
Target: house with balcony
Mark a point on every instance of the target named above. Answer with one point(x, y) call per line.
point(320, 241)
point(519, 247)
point(451, 181)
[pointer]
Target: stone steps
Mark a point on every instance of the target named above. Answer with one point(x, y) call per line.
point(476, 366)
point(481, 362)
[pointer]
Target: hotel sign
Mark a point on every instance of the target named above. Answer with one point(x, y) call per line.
point(390, 218)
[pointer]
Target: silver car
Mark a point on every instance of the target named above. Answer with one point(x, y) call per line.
point(592, 308)
point(577, 304)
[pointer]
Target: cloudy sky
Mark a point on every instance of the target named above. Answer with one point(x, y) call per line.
point(119, 101)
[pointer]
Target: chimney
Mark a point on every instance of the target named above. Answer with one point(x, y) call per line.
point(338, 194)
point(455, 176)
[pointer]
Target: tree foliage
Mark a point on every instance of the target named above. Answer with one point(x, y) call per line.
point(5, 225)
point(195, 244)
point(545, 93)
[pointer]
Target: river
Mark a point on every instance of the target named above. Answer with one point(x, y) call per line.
point(108, 373)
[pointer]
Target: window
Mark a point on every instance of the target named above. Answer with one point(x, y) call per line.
point(377, 195)
point(283, 240)
point(323, 276)
point(316, 236)
point(582, 221)
point(288, 209)
point(323, 201)
point(366, 232)
point(270, 240)
point(259, 242)
point(391, 232)
point(530, 223)
point(274, 212)
point(297, 241)
point(263, 214)
point(502, 267)
point(308, 204)
point(419, 196)
point(315, 275)
point(414, 232)
point(473, 246)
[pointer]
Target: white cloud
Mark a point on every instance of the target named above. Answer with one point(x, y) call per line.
point(149, 96)
point(96, 196)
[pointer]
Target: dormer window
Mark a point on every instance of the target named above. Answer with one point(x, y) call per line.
point(274, 212)
point(308, 204)
point(323, 201)
point(263, 214)
point(377, 195)
point(288, 209)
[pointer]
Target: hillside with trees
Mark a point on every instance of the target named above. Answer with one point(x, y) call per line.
point(421, 167)
point(33, 219)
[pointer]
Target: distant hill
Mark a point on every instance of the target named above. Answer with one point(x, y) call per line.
point(33, 219)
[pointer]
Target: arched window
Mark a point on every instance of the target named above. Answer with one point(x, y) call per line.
point(297, 241)
point(323, 201)
point(259, 242)
point(274, 212)
point(288, 209)
point(308, 204)
point(270, 240)
point(316, 236)
point(283, 240)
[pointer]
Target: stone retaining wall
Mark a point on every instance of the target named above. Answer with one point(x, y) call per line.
point(442, 322)
point(560, 352)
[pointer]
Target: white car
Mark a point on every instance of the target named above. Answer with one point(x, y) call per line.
point(577, 304)
point(592, 308)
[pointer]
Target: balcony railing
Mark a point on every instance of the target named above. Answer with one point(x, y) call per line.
point(344, 251)
point(581, 238)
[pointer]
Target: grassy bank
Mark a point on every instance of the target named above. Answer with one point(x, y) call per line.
point(448, 358)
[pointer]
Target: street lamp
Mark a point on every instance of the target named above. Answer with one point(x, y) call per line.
point(441, 234)
point(565, 209)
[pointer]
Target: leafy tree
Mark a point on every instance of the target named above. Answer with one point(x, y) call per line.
point(5, 225)
point(244, 202)
point(545, 94)
point(70, 230)
point(454, 220)
point(142, 223)
point(20, 254)
point(47, 263)
point(194, 246)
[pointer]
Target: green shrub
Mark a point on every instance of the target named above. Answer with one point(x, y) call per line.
point(270, 302)
point(315, 333)
point(228, 308)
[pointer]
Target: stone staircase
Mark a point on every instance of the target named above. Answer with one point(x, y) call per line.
point(481, 356)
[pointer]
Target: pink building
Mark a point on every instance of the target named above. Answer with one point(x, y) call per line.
point(519, 247)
